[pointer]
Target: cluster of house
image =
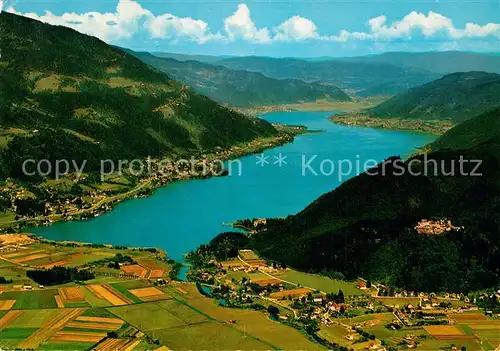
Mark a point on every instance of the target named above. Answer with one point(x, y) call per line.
point(435, 227)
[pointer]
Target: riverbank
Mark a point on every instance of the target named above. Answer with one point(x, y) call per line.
point(436, 127)
point(101, 202)
point(317, 106)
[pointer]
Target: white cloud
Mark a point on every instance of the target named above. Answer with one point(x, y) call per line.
point(130, 18)
point(123, 23)
point(173, 27)
point(473, 30)
point(1, 6)
point(432, 25)
point(296, 28)
point(241, 26)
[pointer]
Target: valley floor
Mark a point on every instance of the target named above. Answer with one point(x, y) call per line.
point(131, 305)
point(319, 105)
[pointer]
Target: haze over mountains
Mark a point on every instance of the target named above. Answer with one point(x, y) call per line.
point(385, 74)
point(241, 88)
point(359, 78)
point(439, 62)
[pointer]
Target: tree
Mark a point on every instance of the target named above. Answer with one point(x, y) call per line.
point(342, 309)
point(340, 297)
point(273, 310)
point(368, 284)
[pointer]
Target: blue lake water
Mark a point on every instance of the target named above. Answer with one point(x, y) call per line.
point(185, 214)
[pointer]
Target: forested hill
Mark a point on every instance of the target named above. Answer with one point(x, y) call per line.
point(240, 88)
point(359, 77)
point(366, 227)
point(483, 130)
point(456, 97)
point(88, 100)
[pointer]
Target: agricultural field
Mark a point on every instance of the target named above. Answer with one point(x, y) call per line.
point(248, 255)
point(73, 316)
point(337, 334)
point(189, 320)
point(398, 302)
point(317, 282)
point(130, 297)
point(20, 253)
point(293, 292)
point(472, 330)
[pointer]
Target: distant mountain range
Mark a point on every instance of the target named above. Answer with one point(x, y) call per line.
point(385, 74)
point(366, 227)
point(442, 62)
point(456, 97)
point(187, 57)
point(89, 101)
point(239, 88)
point(358, 77)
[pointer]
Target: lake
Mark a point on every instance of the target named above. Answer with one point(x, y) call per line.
point(183, 215)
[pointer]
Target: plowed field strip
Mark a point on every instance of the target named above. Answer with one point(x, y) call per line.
point(94, 326)
point(30, 258)
point(59, 301)
point(81, 338)
point(108, 293)
point(81, 333)
point(50, 328)
point(100, 320)
point(6, 305)
point(8, 318)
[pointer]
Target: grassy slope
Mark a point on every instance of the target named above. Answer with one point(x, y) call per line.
point(92, 101)
point(242, 88)
point(456, 97)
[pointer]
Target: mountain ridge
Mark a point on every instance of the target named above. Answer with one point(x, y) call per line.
point(456, 97)
point(443, 62)
point(354, 76)
point(100, 101)
point(240, 88)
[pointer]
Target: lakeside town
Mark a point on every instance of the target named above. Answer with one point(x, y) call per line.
point(72, 196)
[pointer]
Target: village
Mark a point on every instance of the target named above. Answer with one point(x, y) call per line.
point(357, 315)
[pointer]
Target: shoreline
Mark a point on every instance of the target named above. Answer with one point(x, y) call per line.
point(146, 188)
point(435, 127)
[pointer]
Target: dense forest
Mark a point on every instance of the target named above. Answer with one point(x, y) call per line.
point(59, 275)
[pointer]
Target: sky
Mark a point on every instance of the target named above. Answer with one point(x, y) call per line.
point(282, 28)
